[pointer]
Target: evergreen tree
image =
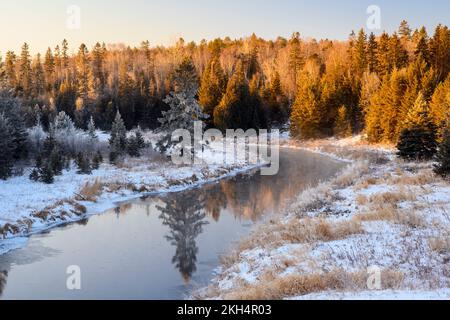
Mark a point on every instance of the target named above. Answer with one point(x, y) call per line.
point(212, 88)
point(404, 30)
point(25, 73)
point(421, 50)
point(440, 104)
point(118, 133)
point(440, 52)
point(442, 167)
point(6, 147)
point(97, 160)
point(92, 132)
point(185, 78)
point(359, 56)
point(308, 113)
point(343, 126)
point(49, 68)
point(372, 53)
point(383, 55)
point(397, 54)
point(83, 164)
point(296, 59)
point(139, 138)
point(418, 139)
point(10, 70)
point(46, 173)
point(83, 72)
point(38, 77)
point(19, 135)
point(235, 110)
point(133, 147)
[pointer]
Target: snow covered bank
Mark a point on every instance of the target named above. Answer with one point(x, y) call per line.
point(380, 217)
point(28, 207)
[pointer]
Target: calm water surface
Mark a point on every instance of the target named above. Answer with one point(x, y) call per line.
point(159, 247)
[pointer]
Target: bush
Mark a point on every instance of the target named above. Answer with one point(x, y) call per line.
point(442, 166)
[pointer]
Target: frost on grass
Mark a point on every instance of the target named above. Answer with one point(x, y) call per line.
point(29, 207)
point(378, 212)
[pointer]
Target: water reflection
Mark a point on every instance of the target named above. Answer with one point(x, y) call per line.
point(185, 217)
point(150, 242)
point(3, 278)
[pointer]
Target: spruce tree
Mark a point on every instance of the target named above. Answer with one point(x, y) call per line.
point(418, 139)
point(91, 129)
point(133, 147)
point(46, 174)
point(6, 147)
point(342, 126)
point(235, 110)
point(118, 139)
point(83, 164)
point(97, 160)
point(372, 48)
point(442, 166)
point(212, 88)
point(19, 135)
point(25, 74)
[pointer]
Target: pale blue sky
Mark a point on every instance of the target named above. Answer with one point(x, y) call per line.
point(42, 23)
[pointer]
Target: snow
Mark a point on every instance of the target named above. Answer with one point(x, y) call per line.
point(22, 198)
point(400, 244)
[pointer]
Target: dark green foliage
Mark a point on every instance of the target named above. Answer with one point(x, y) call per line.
point(417, 143)
point(97, 160)
point(46, 174)
point(34, 175)
point(83, 164)
point(442, 167)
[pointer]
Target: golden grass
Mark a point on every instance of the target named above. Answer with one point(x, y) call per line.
point(440, 244)
point(91, 191)
point(392, 214)
point(296, 285)
point(307, 230)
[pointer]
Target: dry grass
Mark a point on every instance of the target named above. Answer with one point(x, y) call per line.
point(296, 285)
point(352, 174)
point(440, 244)
point(422, 178)
point(393, 214)
point(307, 230)
point(361, 200)
point(392, 198)
point(91, 191)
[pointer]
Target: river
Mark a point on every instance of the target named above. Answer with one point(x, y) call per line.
point(159, 247)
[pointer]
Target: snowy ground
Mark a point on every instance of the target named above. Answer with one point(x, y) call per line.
point(28, 207)
point(380, 219)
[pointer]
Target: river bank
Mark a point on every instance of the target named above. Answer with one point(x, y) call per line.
point(29, 207)
point(381, 224)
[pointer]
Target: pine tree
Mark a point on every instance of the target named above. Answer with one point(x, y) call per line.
point(83, 164)
point(6, 147)
point(383, 55)
point(38, 77)
point(440, 52)
point(235, 110)
point(421, 50)
point(185, 78)
point(133, 147)
point(56, 161)
point(25, 73)
point(418, 139)
point(212, 88)
point(139, 138)
point(46, 173)
point(296, 59)
point(10, 70)
point(343, 126)
point(359, 56)
point(442, 167)
point(404, 30)
point(19, 135)
point(118, 139)
point(440, 104)
point(91, 129)
point(97, 160)
point(308, 113)
point(49, 68)
point(372, 53)
point(397, 53)
point(83, 72)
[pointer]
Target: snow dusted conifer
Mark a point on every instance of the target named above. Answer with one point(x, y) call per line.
point(91, 129)
point(184, 109)
point(118, 139)
point(442, 166)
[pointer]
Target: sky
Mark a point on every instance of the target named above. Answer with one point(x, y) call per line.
point(45, 23)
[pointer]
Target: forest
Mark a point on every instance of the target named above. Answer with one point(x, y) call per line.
point(393, 88)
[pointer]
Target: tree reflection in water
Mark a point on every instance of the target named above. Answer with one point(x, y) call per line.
point(3, 278)
point(183, 214)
